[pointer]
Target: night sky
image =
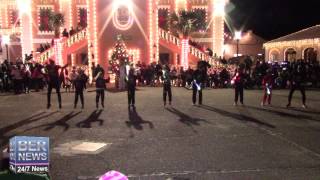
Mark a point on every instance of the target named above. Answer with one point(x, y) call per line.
point(273, 18)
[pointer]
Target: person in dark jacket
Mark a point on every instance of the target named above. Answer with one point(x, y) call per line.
point(267, 83)
point(100, 88)
point(131, 87)
point(238, 81)
point(197, 85)
point(80, 84)
point(166, 85)
point(53, 81)
point(298, 78)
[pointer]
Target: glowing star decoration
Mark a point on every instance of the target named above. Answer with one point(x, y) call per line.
point(122, 14)
point(113, 175)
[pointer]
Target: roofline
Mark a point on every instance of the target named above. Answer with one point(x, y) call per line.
point(278, 39)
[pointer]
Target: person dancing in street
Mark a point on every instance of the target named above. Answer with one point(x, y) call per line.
point(198, 78)
point(298, 77)
point(131, 87)
point(238, 81)
point(267, 83)
point(100, 88)
point(53, 81)
point(166, 85)
point(80, 84)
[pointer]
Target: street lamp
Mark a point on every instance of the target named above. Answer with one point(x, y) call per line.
point(237, 37)
point(6, 41)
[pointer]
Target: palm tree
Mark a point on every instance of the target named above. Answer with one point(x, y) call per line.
point(56, 21)
point(187, 22)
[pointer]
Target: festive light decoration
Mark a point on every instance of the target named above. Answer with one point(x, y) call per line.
point(121, 6)
point(157, 32)
point(119, 55)
point(73, 59)
point(151, 35)
point(70, 13)
point(218, 26)
point(180, 5)
point(89, 41)
point(185, 53)
point(274, 49)
point(43, 12)
point(24, 7)
point(219, 7)
point(58, 51)
point(95, 32)
point(82, 35)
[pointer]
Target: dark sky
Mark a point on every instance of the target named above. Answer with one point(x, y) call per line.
point(273, 18)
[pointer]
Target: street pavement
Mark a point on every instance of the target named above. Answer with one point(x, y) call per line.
point(180, 142)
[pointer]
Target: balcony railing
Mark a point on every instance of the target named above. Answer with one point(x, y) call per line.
point(79, 36)
point(66, 43)
point(169, 37)
point(176, 41)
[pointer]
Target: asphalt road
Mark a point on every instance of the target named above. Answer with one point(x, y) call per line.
point(181, 142)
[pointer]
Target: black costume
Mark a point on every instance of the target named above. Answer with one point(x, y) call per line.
point(166, 86)
point(197, 85)
point(238, 82)
point(131, 87)
point(53, 83)
point(80, 85)
point(100, 88)
point(298, 77)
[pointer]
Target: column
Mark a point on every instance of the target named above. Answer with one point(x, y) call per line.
point(218, 14)
point(26, 26)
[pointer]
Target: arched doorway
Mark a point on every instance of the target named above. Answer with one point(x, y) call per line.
point(290, 54)
point(310, 55)
point(274, 55)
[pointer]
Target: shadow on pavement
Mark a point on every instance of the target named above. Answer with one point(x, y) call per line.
point(239, 117)
point(186, 119)
point(34, 118)
point(61, 122)
point(284, 114)
point(94, 117)
point(136, 121)
point(307, 111)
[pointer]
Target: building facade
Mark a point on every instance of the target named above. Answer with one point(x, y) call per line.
point(304, 44)
point(141, 23)
point(249, 45)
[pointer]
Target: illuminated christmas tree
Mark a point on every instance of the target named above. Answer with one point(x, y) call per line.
point(119, 55)
point(119, 58)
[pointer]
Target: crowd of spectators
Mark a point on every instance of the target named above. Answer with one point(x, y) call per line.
point(20, 77)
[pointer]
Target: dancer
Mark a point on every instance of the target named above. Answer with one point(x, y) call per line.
point(131, 87)
point(53, 81)
point(100, 88)
point(80, 84)
point(198, 79)
point(238, 81)
point(298, 73)
point(267, 83)
point(166, 85)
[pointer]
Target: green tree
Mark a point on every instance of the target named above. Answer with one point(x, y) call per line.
point(56, 20)
point(184, 23)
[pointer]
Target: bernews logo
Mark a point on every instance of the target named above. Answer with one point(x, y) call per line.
point(29, 154)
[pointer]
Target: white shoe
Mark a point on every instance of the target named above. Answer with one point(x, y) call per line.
point(304, 106)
